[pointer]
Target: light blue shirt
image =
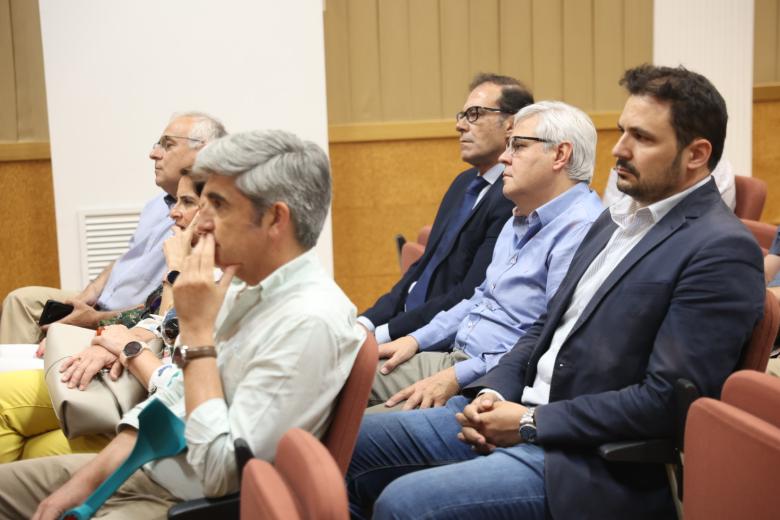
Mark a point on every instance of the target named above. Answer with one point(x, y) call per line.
point(139, 271)
point(530, 259)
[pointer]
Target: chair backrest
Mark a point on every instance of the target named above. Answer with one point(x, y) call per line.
point(351, 403)
point(423, 235)
point(264, 493)
point(755, 392)
point(312, 475)
point(731, 463)
point(755, 356)
point(764, 233)
point(750, 197)
point(410, 253)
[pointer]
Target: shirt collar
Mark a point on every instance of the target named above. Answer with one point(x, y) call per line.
point(626, 207)
point(169, 200)
point(492, 175)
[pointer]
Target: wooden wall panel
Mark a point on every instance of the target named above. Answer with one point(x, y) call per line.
point(547, 16)
point(516, 40)
point(453, 24)
point(394, 59)
point(578, 52)
point(425, 60)
point(766, 154)
point(33, 122)
point(8, 118)
point(608, 53)
point(637, 33)
point(366, 87)
point(29, 232)
point(339, 91)
point(484, 36)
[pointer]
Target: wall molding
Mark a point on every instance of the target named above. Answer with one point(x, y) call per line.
point(766, 92)
point(24, 151)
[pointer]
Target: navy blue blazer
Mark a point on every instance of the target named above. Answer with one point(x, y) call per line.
point(463, 268)
point(681, 304)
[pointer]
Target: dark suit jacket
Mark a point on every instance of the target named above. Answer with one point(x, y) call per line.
point(681, 304)
point(463, 267)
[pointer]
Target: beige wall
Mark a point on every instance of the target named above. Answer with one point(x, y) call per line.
point(413, 59)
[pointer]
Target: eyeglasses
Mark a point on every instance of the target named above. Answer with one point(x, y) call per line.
point(515, 143)
point(473, 113)
point(166, 141)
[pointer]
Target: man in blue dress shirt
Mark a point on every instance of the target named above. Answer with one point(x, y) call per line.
point(126, 282)
point(549, 163)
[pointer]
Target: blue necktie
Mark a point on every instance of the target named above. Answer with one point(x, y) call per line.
point(419, 292)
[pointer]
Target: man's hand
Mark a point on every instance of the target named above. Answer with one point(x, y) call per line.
point(488, 423)
point(83, 315)
point(397, 351)
point(81, 368)
point(68, 496)
point(114, 338)
point(197, 297)
point(429, 392)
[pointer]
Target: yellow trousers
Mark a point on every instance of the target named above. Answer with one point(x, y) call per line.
point(28, 426)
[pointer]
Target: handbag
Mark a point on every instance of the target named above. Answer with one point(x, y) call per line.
point(98, 408)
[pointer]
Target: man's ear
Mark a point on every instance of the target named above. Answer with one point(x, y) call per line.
point(509, 124)
point(698, 153)
point(279, 214)
point(563, 153)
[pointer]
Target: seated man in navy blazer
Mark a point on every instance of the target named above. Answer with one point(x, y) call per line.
point(469, 219)
point(667, 284)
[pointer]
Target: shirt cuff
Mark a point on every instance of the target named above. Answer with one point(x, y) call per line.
point(469, 370)
point(152, 324)
point(382, 334)
point(207, 422)
point(366, 323)
point(491, 391)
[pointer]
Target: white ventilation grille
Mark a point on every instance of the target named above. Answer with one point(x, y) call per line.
point(104, 236)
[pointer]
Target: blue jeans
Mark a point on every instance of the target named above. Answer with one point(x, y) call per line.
point(411, 465)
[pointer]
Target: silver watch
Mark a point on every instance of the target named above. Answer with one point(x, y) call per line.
point(528, 426)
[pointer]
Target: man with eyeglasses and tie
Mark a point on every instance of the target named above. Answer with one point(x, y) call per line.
point(126, 282)
point(468, 221)
point(549, 162)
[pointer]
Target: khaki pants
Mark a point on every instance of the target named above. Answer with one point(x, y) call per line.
point(24, 484)
point(21, 310)
point(773, 368)
point(420, 366)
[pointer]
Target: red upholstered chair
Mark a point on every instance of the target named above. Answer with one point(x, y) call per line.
point(410, 252)
point(351, 404)
point(750, 195)
point(732, 451)
point(756, 353)
point(304, 483)
point(764, 233)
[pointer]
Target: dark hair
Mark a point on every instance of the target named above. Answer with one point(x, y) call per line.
point(698, 110)
point(514, 95)
point(196, 185)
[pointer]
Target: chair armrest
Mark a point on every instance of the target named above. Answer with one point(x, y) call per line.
point(243, 455)
point(653, 451)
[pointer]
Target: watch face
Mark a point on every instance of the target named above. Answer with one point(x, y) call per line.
point(528, 433)
point(172, 276)
point(132, 349)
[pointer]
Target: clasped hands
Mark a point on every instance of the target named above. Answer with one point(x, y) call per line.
point(103, 352)
point(489, 423)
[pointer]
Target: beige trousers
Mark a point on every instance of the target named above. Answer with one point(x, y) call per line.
point(773, 367)
point(21, 310)
point(420, 366)
point(24, 484)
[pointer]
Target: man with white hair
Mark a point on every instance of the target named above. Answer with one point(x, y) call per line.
point(549, 162)
point(258, 356)
point(126, 282)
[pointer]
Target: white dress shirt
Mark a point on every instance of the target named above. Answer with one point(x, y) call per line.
point(285, 349)
point(634, 222)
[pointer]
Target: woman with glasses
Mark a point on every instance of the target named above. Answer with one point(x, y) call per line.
point(31, 429)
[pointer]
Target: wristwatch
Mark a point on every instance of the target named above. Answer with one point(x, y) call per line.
point(131, 350)
point(184, 354)
point(171, 277)
point(528, 426)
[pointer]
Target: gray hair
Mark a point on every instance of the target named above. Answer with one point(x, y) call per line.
point(275, 166)
point(206, 128)
point(560, 122)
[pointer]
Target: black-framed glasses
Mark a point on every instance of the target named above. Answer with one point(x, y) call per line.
point(473, 113)
point(166, 140)
point(515, 143)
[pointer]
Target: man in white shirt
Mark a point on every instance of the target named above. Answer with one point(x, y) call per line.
point(667, 284)
point(258, 356)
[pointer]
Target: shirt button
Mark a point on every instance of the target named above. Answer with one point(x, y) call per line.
point(560, 365)
point(470, 324)
point(493, 286)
